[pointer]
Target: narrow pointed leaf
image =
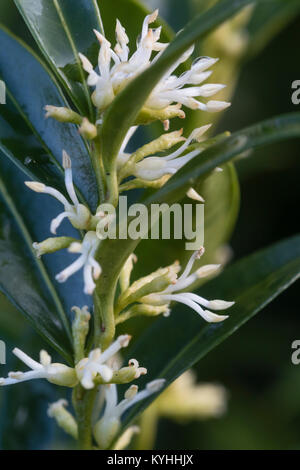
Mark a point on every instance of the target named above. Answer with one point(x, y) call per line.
point(62, 31)
point(267, 19)
point(34, 143)
point(24, 279)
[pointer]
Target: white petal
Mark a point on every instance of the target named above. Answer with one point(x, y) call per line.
point(55, 223)
point(26, 359)
point(192, 194)
point(73, 268)
point(216, 106)
point(220, 304)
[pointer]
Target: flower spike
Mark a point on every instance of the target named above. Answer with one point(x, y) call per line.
point(173, 293)
point(117, 68)
point(153, 168)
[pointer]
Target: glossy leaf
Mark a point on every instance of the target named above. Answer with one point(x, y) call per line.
point(252, 283)
point(24, 423)
point(34, 143)
point(24, 279)
point(58, 30)
point(267, 19)
point(120, 116)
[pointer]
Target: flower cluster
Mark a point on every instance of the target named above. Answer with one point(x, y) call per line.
point(89, 371)
point(153, 294)
point(81, 218)
point(99, 368)
point(182, 90)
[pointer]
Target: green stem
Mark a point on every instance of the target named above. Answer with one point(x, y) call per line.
point(105, 327)
point(112, 187)
point(98, 168)
point(83, 401)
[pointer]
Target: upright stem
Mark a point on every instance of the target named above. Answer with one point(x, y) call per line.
point(105, 323)
point(83, 401)
point(98, 168)
point(112, 186)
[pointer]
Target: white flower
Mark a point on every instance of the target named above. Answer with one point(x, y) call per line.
point(88, 368)
point(58, 374)
point(193, 301)
point(112, 78)
point(91, 267)
point(153, 168)
point(107, 427)
point(171, 89)
point(78, 214)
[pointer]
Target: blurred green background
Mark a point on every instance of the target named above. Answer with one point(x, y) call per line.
point(255, 364)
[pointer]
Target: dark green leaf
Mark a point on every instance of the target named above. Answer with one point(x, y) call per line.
point(34, 143)
point(62, 29)
point(24, 278)
point(267, 19)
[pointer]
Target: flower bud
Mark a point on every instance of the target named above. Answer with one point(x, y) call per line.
point(105, 431)
point(88, 130)
point(50, 245)
point(80, 329)
point(148, 115)
point(155, 282)
point(59, 374)
point(63, 114)
point(63, 418)
point(82, 218)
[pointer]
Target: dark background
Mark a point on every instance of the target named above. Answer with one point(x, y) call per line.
point(254, 364)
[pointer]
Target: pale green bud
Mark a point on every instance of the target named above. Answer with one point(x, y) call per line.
point(88, 130)
point(63, 114)
point(63, 418)
point(141, 183)
point(125, 374)
point(148, 115)
point(50, 245)
point(81, 220)
point(124, 279)
point(154, 282)
point(62, 375)
point(164, 142)
point(105, 430)
point(143, 309)
point(80, 329)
